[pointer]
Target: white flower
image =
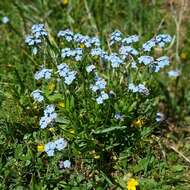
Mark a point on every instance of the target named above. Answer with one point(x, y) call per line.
point(5, 20)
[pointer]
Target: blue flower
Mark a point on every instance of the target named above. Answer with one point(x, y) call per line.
point(39, 30)
point(67, 164)
point(159, 116)
point(174, 73)
point(67, 34)
point(63, 69)
point(49, 116)
point(127, 50)
point(134, 65)
point(115, 37)
point(147, 46)
point(43, 73)
point(37, 95)
point(68, 75)
point(100, 84)
point(90, 68)
point(115, 60)
point(138, 88)
point(71, 75)
point(161, 63)
point(119, 116)
point(142, 89)
point(132, 87)
point(34, 50)
point(75, 53)
point(103, 96)
point(130, 39)
point(147, 60)
point(163, 39)
point(31, 40)
point(60, 144)
point(95, 41)
point(50, 148)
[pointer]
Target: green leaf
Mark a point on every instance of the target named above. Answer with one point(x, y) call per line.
point(107, 130)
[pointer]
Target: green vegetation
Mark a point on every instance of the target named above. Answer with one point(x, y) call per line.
point(108, 144)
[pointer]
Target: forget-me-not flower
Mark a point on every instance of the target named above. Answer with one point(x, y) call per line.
point(103, 96)
point(60, 144)
point(50, 148)
point(37, 95)
point(43, 73)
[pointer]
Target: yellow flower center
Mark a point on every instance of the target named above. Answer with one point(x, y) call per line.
point(81, 45)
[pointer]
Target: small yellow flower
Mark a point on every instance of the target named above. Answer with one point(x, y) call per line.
point(132, 184)
point(81, 45)
point(183, 55)
point(72, 131)
point(61, 105)
point(138, 122)
point(51, 86)
point(51, 129)
point(97, 157)
point(65, 2)
point(40, 148)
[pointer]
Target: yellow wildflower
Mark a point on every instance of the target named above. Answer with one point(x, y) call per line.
point(51, 86)
point(132, 184)
point(138, 122)
point(65, 2)
point(61, 105)
point(97, 157)
point(51, 129)
point(40, 148)
point(72, 131)
point(183, 55)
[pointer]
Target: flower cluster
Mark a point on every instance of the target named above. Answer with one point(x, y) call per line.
point(115, 37)
point(130, 40)
point(38, 32)
point(90, 68)
point(99, 86)
point(74, 53)
point(37, 95)
point(59, 144)
point(161, 40)
point(66, 73)
point(138, 88)
point(87, 41)
point(49, 116)
point(125, 51)
point(43, 73)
